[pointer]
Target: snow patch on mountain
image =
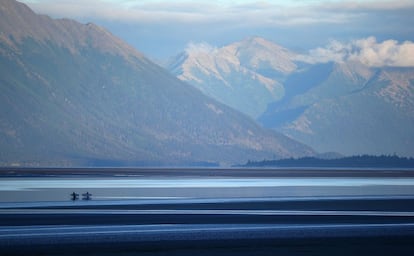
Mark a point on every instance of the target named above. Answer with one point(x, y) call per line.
point(302, 124)
point(256, 53)
point(214, 108)
point(205, 59)
point(399, 89)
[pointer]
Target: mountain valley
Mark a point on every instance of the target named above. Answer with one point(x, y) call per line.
point(341, 106)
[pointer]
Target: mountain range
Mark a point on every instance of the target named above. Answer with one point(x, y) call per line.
point(353, 110)
point(341, 106)
point(73, 94)
point(246, 75)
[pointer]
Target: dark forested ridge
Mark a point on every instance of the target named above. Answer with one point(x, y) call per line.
point(368, 161)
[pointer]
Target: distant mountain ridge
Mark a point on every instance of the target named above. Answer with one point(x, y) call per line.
point(246, 75)
point(364, 114)
point(345, 106)
point(73, 94)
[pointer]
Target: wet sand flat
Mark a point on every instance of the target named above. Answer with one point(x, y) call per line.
point(380, 222)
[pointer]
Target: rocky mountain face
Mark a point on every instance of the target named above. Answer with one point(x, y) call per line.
point(246, 75)
point(73, 94)
point(353, 110)
point(345, 107)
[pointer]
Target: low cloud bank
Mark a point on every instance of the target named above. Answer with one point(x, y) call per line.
point(368, 51)
point(200, 48)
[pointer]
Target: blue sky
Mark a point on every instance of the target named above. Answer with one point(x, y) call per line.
point(161, 28)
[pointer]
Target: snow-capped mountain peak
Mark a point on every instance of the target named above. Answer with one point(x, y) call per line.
point(258, 53)
point(251, 69)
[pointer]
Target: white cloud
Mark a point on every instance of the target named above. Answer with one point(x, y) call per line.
point(387, 53)
point(366, 5)
point(367, 51)
point(200, 48)
point(335, 51)
point(245, 12)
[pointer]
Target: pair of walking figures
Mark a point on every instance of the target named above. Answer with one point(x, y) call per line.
point(86, 196)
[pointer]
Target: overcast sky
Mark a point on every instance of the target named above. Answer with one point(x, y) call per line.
point(161, 28)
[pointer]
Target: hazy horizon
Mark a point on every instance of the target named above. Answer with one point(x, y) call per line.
point(161, 29)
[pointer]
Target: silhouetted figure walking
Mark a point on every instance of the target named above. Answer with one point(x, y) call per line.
point(74, 196)
point(87, 196)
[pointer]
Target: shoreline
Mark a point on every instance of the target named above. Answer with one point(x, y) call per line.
point(6, 172)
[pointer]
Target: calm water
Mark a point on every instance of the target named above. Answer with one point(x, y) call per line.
point(145, 186)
